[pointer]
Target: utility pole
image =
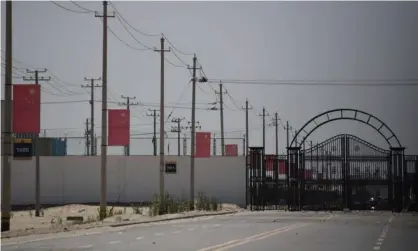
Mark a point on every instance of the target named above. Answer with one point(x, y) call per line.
point(275, 123)
point(287, 133)
point(184, 145)
point(6, 175)
point(91, 86)
point(178, 130)
point(214, 145)
point(154, 138)
point(193, 133)
point(36, 144)
point(264, 114)
point(103, 171)
point(161, 51)
point(221, 103)
point(128, 104)
point(87, 132)
point(247, 108)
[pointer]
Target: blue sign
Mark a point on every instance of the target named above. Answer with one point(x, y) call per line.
point(22, 149)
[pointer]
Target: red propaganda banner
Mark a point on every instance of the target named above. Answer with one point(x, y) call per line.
point(26, 108)
point(119, 124)
point(270, 162)
point(231, 150)
point(282, 166)
point(202, 145)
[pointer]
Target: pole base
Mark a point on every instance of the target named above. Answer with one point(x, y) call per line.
point(5, 224)
point(102, 214)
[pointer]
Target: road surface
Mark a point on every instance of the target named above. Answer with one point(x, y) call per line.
point(246, 231)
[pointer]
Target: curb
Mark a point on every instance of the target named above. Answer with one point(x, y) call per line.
point(170, 219)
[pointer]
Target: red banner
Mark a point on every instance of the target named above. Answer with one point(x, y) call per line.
point(119, 123)
point(282, 166)
point(202, 145)
point(270, 162)
point(231, 150)
point(26, 108)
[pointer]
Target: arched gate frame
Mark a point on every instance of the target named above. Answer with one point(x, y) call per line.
point(392, 174)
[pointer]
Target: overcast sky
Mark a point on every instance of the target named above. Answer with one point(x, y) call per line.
point(233, 40)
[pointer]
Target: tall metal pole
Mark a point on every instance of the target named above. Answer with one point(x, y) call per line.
point(246, 128)
point(92, 86)
point(103, 181)
point(162, 122)
point(87, 133)
point(287, 134)
point(193, 134)
point(222, 120)
point(36, 146)
point(154, 137)
point(128, 104)
point(162, 125)
point(178, 136)
point(264, 114)
point(276, 123)
point(6, 197)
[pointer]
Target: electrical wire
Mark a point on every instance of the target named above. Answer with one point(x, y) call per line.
point(333, 83)
point(81, 7)
point(130, 33)
point(175, 48)
point(67, 9)
point(140, 32)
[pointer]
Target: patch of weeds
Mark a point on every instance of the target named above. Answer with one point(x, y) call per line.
point(56, 221)
point(206, 203)
point(137, 209)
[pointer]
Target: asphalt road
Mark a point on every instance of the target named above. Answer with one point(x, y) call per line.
point(247, 231)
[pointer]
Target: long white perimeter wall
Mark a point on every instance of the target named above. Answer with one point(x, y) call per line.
point(76, 179)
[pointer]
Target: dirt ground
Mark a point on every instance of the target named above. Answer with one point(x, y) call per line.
point(53, 219)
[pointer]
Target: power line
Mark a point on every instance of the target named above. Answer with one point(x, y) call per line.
point(130, 33)
point(67, 9)
point(175, 48)
point(333, 83)
point(140, 32)
point(81, 7)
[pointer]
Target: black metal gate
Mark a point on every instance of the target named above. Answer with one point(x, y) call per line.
point(341, 172)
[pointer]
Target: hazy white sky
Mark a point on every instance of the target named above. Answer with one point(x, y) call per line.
point(233, 40)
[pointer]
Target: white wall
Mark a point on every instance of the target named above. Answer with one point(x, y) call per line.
point(76, 179)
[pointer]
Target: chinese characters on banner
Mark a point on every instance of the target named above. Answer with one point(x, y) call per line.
point(231, 150)
point(26, 108)
point(119, 127)
point(202, 145)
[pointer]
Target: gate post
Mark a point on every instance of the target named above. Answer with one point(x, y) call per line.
point(416, 183)
point(255, 160)
point(398, 181)
point(293, 179)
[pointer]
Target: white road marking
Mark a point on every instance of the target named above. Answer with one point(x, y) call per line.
point(176, 232)
point(85, 246)
point(159, 234)
point(113, 242)
point(383, 234)
point(191, 229)
point(217, 225)
point(120, 233)
point(140, 237)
